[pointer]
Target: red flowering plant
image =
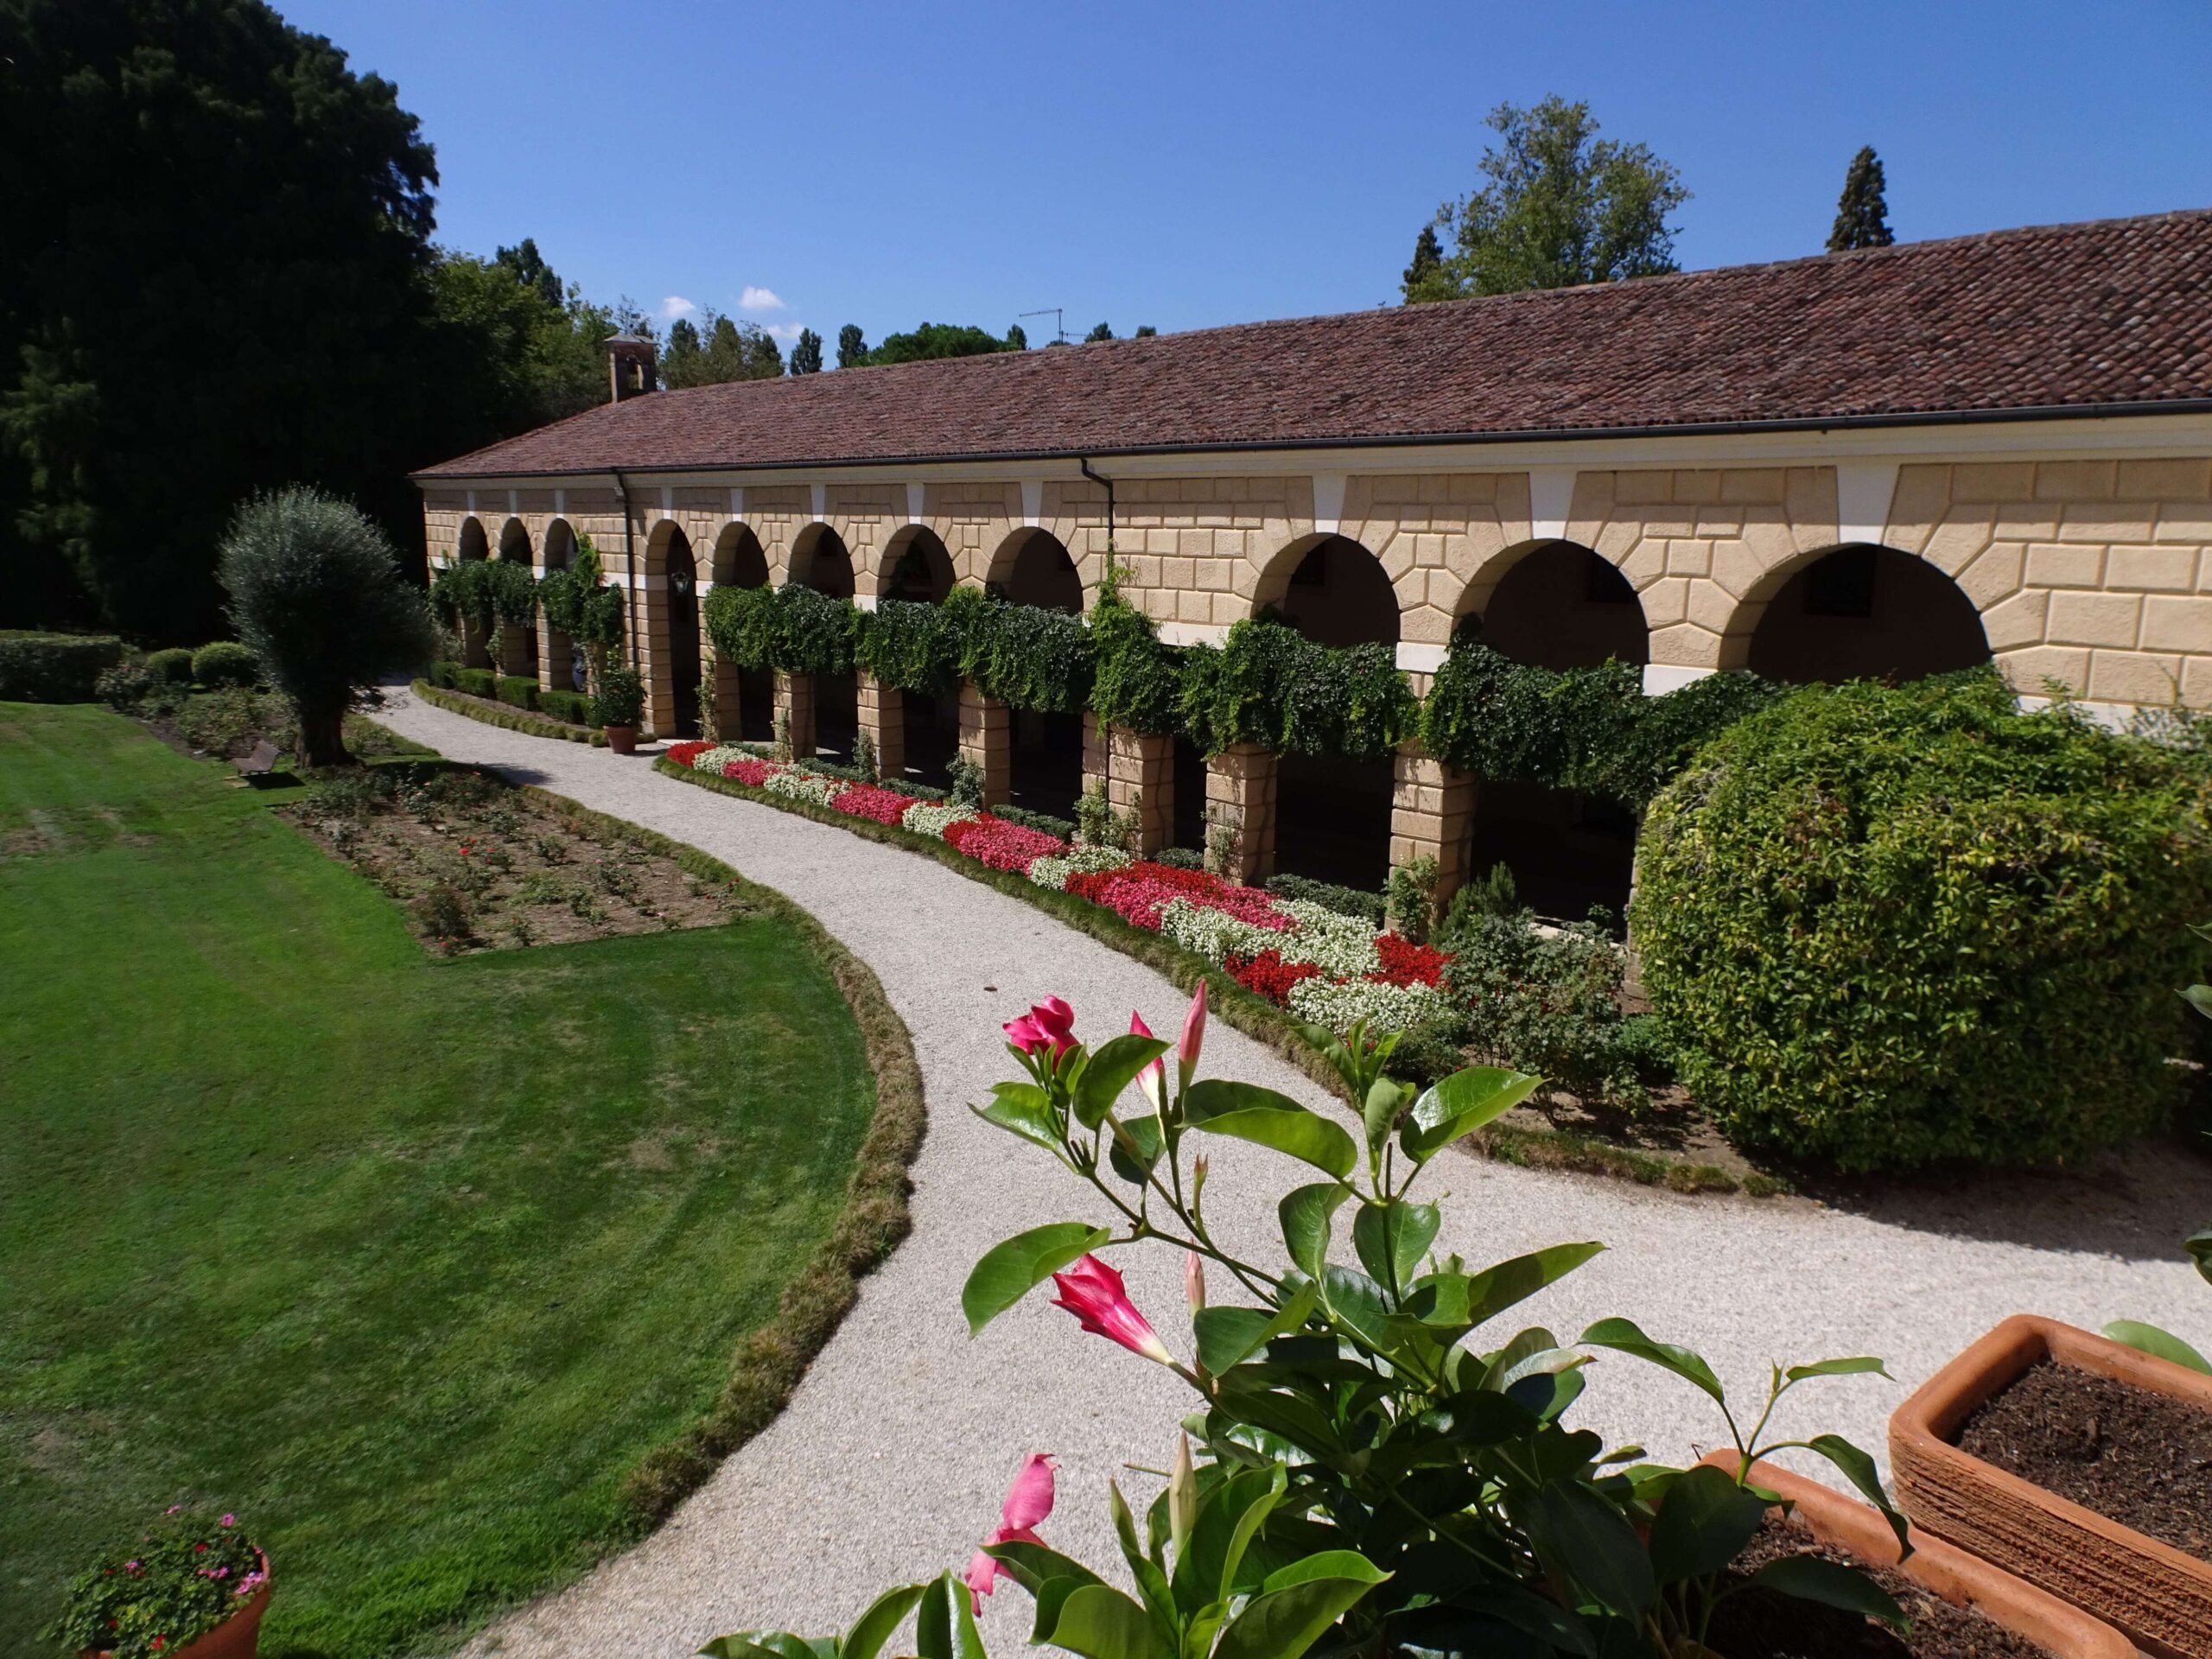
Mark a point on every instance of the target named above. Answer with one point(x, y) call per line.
point(1376, 1471)
point(177, 1582)
point(867, 801)
point(1002, 845)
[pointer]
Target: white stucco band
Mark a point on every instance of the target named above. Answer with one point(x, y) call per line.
point(1660, 679)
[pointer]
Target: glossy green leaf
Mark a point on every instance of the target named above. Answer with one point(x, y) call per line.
point(1588, 1542)
point(1858, 1469)
point(1099, 1622)
point(1033, 1566)
point(1864, 1365)
point(1229, 1515)
point(1460, 1104)
point(1703, 1525)
point(769, 1644)
point(1305, 1213)
point(1219, 1106)
point(1465, 1367)
point(1150, 1577)
point(2199, 1247)
point(1227, 1336)
point(944, 1622)
point(1010, 1270)
point(2162, 1345)
point(1493, 1290)
point(1282, 1624)
point(1355, 1301)
point(1143, 1132)
point(1112, 1066)
point(1832, 1585)
point(1392, 1236)
point(1023, 1108)
point(1379, 1113)
point(1623, 1336)
point(875, 1628)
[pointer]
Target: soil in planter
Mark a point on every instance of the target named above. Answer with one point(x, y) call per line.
point(2133, 1456)
point(1761, 1625)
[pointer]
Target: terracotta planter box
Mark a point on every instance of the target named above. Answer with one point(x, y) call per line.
point(2158, 1595)
point(238, 1636)
point(1860, 1531)
point(623, 739)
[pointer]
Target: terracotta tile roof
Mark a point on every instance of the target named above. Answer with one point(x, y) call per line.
point(2085, 317)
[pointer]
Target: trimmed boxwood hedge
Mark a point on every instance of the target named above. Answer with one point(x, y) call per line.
point(1889, 926)
point(54, 667)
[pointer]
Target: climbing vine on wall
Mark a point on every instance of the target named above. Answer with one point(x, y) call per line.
point(791, 627)
point(1137, 681)
point(1022, 654)
point(914, 647)
point(1269, 684)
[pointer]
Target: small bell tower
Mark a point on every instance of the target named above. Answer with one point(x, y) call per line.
point(632, 366)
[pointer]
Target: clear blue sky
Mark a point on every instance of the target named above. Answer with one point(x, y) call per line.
point(1194, 164)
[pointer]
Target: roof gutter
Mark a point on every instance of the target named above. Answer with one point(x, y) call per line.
point(1408, 441)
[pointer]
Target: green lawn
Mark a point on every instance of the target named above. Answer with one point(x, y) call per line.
point(407, 1261)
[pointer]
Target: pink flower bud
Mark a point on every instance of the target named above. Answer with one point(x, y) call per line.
point(1194, 1282)
point(1194, 1031)
point(1092, 1291)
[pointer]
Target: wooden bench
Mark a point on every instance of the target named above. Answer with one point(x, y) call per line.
point(258, 762)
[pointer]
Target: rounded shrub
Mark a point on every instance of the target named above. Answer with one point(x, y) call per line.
point(1888, 925)
point(224, 662)
point(173, 666)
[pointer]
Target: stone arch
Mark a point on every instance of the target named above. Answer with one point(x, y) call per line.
point(1860, 610)
point(1555, 604)
point(1333, 590)
point(672, 619)
point(821, 561)
point(514, 541)
point(561, 661)
point(1558, 605)
point(1034, 567)
point(916, 566)
point(744, 698)
point(519, 644)
point(739, 559)
point(557, 549)
point(473, 544)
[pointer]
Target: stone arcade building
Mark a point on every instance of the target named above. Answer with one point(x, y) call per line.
point(1889, 461)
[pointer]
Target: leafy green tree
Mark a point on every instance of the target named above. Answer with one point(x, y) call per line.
point(1862, 217)
point(1559, 208)
point(1424, 279)
point(525, 265)
point(716, 349)
point(1102, 331)
point(806, 355)
point(934, 340)
point(1144, 331)
point(316, 594)
point(852, 346)
point(212, 281)
point(1017, 338)
point(513, 360)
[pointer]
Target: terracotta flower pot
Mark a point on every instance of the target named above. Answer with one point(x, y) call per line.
point(2161, 1597)
point(238, 1636)
point(623, 739)
point(1858, 1530)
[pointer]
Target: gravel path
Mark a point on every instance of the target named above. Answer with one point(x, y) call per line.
point(893, 1457)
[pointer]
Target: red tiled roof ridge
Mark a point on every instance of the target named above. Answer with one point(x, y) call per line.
point(741, 423)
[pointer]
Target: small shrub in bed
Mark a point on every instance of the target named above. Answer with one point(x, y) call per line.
point(476, 682)
point(1547, 1001)
point(224, 662)
point(1346, 901)
point(518, 692)
point(1043, 823)
point(127, 686)
point(442, 912)
point(1179, 858)
point(574, 706)
point(1884, 925)
point(173, 666)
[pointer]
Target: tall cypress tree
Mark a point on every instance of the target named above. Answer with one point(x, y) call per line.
point(1862, 217)
point(852, 346)
point(1426, 268)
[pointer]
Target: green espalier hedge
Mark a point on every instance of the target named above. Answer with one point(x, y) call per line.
point(54, 667)
point(1269, 684)
point(1885, 926)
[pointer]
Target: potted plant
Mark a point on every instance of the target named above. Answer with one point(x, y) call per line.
point(620, 705)
point(193, 1587)
point(1994, 1451)
point(1819, 1515)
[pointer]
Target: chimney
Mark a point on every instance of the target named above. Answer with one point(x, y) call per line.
point(631, 366)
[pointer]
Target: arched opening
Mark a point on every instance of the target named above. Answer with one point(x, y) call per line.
point(1332, 816)
point(917, 569)
point(1045, 767)
point(520, 641)
point(1866, 613)
point(1560, 606)
point(566, 667)
point(475, 649)
point(683, 573)
point(820, 560)
point(744, 698)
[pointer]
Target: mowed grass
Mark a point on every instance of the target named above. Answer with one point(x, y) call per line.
point(407, 1261)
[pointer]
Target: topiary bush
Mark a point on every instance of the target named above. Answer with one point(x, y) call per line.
point(225, 662)
point(517, 691)
point(173, 665)
point(1886, 926)
point(54, 667)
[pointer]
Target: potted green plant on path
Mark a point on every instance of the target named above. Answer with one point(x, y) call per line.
point(194, 1586)
point(619, 708)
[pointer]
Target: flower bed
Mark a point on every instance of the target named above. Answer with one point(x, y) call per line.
point(1324, 966)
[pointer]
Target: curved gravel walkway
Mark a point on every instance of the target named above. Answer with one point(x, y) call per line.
point(893, 1459)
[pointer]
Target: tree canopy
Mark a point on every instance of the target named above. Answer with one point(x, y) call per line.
point(934, 340)
point(806, 352)
point(852, 346)
point(1559, 207)
point(1862, 217)
point(715, 349)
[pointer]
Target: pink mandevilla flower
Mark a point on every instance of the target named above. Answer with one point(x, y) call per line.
point(1092, 1291)
point(1194, 1031)
point(1153, 1077)
point(1050, 1025)
point(1027, 1503)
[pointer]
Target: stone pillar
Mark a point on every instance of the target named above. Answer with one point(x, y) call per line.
point(1140, 776)
point(655, 660)
point(552, 657)
point(1240, 793)
point(475, 649)
point(987, 739)
point(883, 721)
point(1096, 767)
point(795, 705)
point(514, 651)
point(1432, 815)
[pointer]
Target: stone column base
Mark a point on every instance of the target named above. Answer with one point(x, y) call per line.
point(795, 712)
point(1141, 778)
point(1241, 794)
point(729, 709)
point(1432, 815)
point(987, 740)
point(883, 723)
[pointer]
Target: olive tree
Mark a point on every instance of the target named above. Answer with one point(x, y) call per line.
point(316, 594)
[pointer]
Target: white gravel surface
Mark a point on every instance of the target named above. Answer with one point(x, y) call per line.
point(892, 1460)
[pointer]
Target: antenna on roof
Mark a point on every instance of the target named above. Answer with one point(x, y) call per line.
point(1059, 325)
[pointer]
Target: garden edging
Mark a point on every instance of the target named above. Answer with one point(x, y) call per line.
point(508, 718)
